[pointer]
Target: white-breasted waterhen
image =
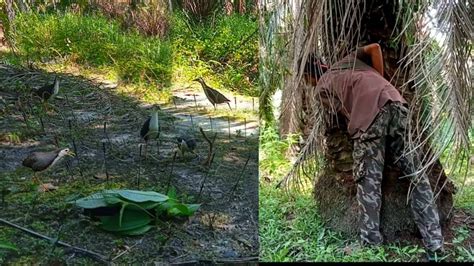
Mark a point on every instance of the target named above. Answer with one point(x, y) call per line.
point(41, 161)
point(45, 92)
point(213, 95)
point(186, 144)
point(151, 128)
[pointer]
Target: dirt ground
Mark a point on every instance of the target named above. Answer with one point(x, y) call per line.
point(224, 228)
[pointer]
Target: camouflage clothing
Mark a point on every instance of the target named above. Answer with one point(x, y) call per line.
point(388, 130)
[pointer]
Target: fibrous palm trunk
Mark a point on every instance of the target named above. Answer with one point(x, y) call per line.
point(335, 190)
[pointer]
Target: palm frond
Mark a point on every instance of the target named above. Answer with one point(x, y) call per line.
point(436, 78)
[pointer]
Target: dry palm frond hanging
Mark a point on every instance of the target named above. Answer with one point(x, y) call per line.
point(430, 43)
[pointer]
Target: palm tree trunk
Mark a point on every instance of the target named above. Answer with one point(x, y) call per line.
point(335, 190)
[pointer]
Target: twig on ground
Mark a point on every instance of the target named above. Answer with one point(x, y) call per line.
point(210, 155)
point(91, 254)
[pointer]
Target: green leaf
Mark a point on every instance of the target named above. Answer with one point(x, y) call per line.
point(172, 193)
point(124, 205)
point(175, 208)
point(130, 219)
point(92, 202)
point(5, 245)
point(136, 231)
point(141, 196)
point(193, 208)
point(112, 199)
point(145, 205)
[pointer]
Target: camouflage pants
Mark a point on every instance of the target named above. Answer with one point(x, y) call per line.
point(387, 131)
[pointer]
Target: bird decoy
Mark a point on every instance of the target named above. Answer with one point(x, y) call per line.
point(186, 144)
point(45, 92)
point(213, 95)
point(41, 161)
point(151, 128)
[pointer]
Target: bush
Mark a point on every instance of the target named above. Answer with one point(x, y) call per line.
point(226, 47)
point(93, 40)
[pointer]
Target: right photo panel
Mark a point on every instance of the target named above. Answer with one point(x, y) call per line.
point(366, 135)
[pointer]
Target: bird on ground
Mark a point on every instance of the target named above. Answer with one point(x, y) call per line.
point(151, 128)
point(41, 161)
point(45, 92)
point(186, 144)
point(213, 95)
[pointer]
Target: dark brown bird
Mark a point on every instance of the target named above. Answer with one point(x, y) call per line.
point(40, 161)
point(186, 144)
point(48, 90)
point(213, 95)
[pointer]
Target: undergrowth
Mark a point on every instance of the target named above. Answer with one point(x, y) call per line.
point(223, 49)
point(292, 230)
point(95, 41)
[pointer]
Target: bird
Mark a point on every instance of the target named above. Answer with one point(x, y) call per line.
point(45, 92)
point(186, 144)
point(151, 128)
point(213, 95)
point(41, 161)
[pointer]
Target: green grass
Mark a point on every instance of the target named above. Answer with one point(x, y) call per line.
point(95, 41)
point(223, 51)
point(292, 230)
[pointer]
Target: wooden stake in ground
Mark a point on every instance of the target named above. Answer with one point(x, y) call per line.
point(228, 126)
point(195, 102)
point(245, 127)
point(105, 163)
point(174, 102)
point(139, 166)
point(105, 132)
point(171, 173)
point(205, 178)
point(210, 155)
point(240, 177)
point(253, 104)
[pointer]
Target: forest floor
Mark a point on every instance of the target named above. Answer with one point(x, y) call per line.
point(223, 229)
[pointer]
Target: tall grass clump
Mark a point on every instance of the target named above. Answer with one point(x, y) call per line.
point(95, 41)
point(224, 48)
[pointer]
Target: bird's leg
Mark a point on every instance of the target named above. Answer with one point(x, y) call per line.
point(214, 106)
point(35, 179)
point(229, 105)
point(146, 146)
point(158, 147)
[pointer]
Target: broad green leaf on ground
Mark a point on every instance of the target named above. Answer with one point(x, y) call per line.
point(175, 208)
point(131, 219)
point(137, 231)
point(91, 202)
point(110, 197)
point(141, 196)
point(6, 245)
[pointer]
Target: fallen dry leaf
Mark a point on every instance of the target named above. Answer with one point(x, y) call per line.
point(47, 187)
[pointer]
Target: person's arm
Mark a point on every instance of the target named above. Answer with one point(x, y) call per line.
point(374, 53)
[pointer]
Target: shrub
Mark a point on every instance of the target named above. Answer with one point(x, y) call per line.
point(226, 47)
point(96, 41)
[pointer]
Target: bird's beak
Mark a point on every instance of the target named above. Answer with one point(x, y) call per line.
point(71, 153)
point(196, 80)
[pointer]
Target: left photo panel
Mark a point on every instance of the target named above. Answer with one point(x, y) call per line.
point(128, 132)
